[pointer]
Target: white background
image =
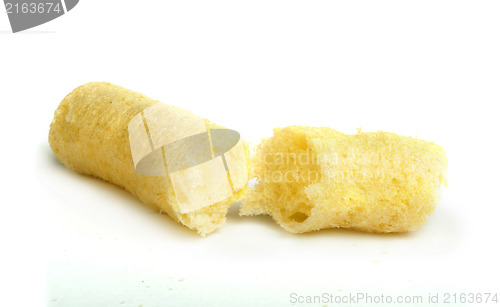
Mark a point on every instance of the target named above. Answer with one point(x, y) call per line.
point(421, 68)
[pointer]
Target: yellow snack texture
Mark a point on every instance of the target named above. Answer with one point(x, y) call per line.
point(89, 134)
point(312, 178)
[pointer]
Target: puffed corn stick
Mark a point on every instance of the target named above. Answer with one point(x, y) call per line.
point(313, 178)
point(130, 140)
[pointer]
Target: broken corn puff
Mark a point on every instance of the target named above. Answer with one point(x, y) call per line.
point(126, 138)
point(314, 178)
